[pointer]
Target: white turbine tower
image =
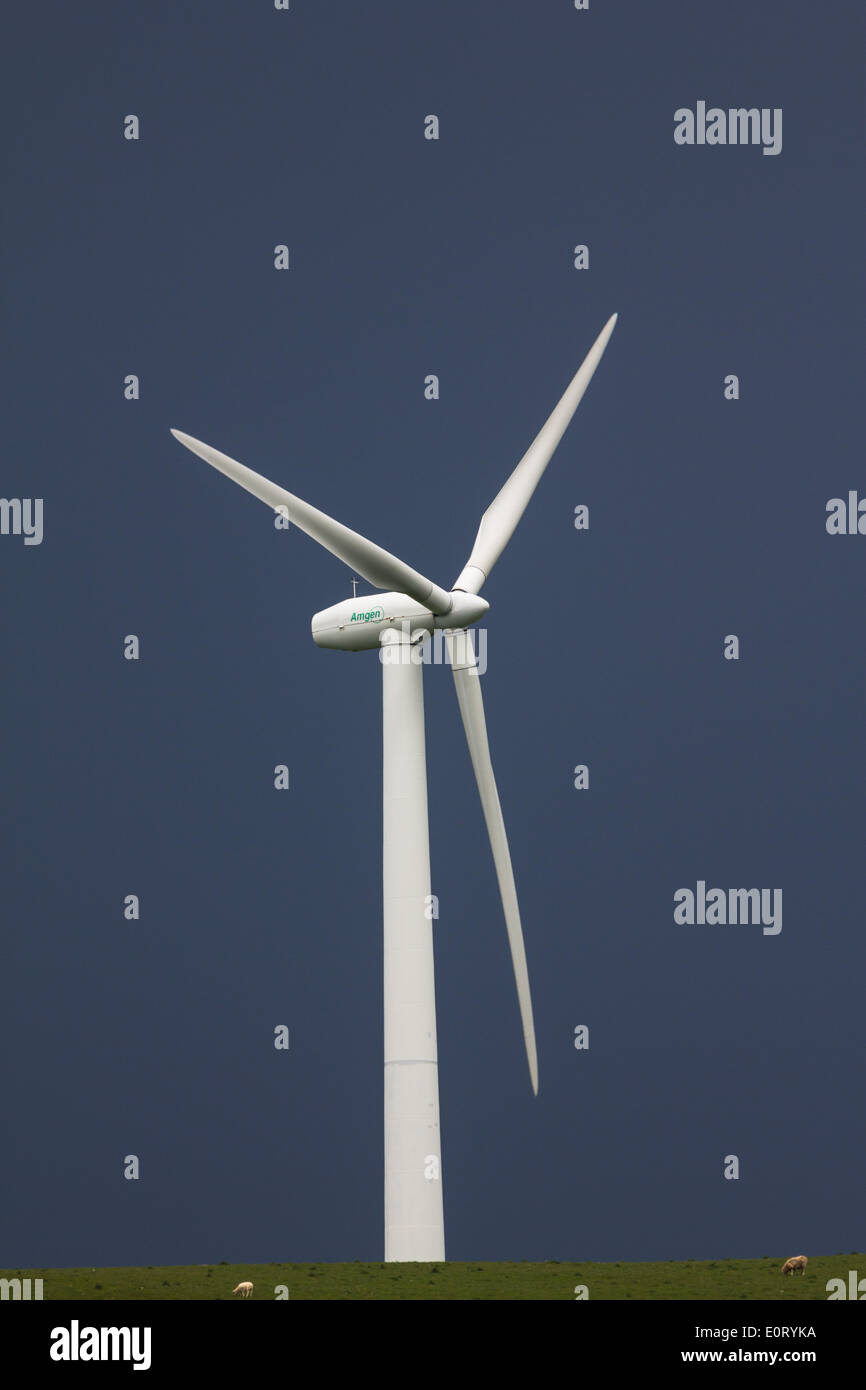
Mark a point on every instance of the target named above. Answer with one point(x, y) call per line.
point(396, 623)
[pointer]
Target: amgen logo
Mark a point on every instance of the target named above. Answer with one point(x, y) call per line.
point(373, 615)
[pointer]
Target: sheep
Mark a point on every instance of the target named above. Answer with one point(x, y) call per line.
point(244, 1289)
point(795, 1262)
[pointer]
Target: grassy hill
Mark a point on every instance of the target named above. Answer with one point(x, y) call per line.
point(682, 1280)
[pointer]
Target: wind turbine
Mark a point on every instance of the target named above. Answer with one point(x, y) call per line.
point(396, 623)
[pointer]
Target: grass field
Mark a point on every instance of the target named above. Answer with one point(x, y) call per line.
point(681, 1280)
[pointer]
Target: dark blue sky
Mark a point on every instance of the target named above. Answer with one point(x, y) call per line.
point(707, 517)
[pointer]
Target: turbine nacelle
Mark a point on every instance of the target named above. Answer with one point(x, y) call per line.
point(357, 624)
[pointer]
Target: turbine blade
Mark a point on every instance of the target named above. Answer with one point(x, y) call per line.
point(461, 653)
point(499, 521)
point(378, 566)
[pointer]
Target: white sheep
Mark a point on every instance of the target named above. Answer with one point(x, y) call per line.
point(795, 1262)
point(244, 1289)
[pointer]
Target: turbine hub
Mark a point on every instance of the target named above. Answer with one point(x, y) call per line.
point(465, 610)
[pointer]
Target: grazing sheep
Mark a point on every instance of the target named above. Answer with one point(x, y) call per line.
point(795, 1262)
point(244, 1289)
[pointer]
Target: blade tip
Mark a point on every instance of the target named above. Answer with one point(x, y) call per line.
point(187, 441)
